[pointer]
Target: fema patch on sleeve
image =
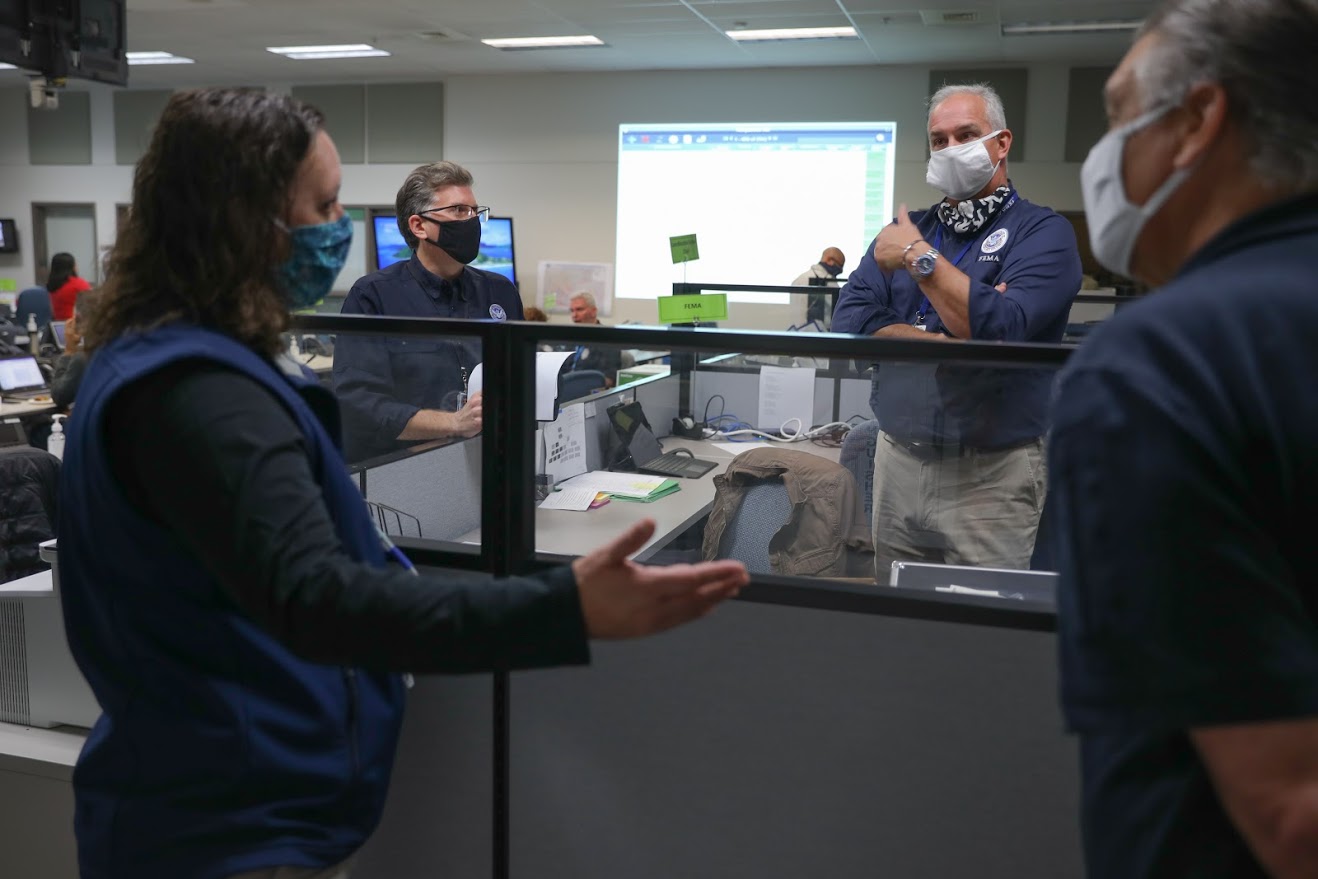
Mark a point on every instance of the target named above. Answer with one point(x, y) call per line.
point(497, 312)
point(995, 242)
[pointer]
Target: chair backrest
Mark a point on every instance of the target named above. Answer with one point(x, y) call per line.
point(34, 301)
point(579, 383)
point(764, 509)
point(858, 456)
point(29, 480)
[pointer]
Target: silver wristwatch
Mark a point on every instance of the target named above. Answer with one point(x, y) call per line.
point(923, 265)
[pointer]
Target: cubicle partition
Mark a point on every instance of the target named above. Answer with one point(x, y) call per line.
point(815, 726)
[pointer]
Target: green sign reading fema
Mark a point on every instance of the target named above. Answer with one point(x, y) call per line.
point(684, 248)
point(685, 309)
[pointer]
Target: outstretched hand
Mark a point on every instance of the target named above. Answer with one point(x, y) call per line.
point(623, 599)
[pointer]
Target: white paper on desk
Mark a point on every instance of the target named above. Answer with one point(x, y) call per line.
point(565, 444)
point(576, 499)
point(738, 448)
point(786, 393)
point(625, 484)
point(547, 365)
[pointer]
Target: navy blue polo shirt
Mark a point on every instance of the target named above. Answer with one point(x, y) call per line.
point(1030, 248)
point(1183, 492)
point(382, 382)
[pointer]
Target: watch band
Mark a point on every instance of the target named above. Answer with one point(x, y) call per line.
point(930, 257)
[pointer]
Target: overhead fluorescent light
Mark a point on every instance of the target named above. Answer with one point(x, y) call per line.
point(1069, 27)
point(4, 66)
point(793, 33)
point(136, 58)
point(544, 42)
point(315, 53)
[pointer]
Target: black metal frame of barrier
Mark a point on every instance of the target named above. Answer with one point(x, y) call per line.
point(508, 467)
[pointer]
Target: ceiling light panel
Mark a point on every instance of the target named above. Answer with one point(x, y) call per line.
point(792, 33)
point(315, 53)
point(137, 59)
point(558, 42)
point(1069, 27)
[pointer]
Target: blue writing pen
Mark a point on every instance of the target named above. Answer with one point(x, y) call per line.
point(395, 553)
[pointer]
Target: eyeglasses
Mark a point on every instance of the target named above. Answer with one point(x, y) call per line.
point(458, 212)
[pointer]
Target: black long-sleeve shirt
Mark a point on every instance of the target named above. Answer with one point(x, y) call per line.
point(215, 459)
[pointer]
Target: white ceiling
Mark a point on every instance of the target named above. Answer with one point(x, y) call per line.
point(430, 39)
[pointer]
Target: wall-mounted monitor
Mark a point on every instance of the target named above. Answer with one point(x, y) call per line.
point(496, 251)
point(8, 237)
point(58, 39)
point(389, 244)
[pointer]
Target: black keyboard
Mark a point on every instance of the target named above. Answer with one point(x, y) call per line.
point(673, 464)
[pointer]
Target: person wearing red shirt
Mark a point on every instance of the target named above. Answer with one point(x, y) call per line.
point(64, 285)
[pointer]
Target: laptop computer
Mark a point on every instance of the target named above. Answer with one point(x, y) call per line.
point(633, 430)
point(53, 336)
point(21, 379)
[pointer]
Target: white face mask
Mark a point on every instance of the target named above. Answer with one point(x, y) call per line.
point(1115, 223)
point(963, 170)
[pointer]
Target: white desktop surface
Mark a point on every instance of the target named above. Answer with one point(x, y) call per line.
point(46, 752)
point(571, 533)
point(36, 585)
point(22, 410)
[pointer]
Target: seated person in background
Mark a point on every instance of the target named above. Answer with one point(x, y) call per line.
point(70, 366)
point(606, 360)
point(959, 473)
point(535, 314)
point(64, 285)
point(830, 265)
point(399, 391)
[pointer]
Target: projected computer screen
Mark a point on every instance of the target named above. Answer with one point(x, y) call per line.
point(763, 200)
point(496, 250)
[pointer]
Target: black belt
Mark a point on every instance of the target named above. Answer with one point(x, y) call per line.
point(935, 450)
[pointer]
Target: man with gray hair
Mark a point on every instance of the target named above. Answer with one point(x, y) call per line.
point(398, 392)
point(959, 465)
point(605, 358)
point(1185, 488)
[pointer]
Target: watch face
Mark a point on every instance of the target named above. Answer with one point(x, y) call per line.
point(924, 265)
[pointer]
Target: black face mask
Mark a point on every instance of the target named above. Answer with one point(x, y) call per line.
point(460, 239)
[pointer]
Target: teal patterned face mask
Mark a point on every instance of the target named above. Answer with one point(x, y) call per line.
point(319, 252)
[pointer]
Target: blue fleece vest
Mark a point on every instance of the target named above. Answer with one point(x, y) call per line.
point(218, 750)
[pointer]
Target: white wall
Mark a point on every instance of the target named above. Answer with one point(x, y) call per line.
point(543, 150)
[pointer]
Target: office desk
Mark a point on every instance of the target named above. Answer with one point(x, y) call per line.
point(26, 409)
point(571, 533)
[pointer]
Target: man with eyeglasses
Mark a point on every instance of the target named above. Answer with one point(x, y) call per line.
point(396, 392)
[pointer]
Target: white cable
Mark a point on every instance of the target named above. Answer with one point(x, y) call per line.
point(793, 438)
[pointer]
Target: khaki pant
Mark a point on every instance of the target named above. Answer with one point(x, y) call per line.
point(339, 871)
point(957, 507)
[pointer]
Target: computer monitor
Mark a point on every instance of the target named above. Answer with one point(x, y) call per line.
point(495, 255)
point(8, 236)
point(389, 244)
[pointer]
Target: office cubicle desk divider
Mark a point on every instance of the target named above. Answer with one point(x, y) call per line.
point(507, 514)
point(507, 500)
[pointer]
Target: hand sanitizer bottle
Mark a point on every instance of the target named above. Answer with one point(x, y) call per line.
point(32, 333)
point(55, 442)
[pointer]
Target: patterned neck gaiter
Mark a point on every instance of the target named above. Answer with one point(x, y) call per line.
point(971, 215)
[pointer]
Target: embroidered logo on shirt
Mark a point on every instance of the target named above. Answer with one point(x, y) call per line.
point(995, 241)
point(497, 312)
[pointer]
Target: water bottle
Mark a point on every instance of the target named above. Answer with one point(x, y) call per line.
point(32, 333)
point(55, 442)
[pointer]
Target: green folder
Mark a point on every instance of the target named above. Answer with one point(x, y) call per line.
point(667, 487)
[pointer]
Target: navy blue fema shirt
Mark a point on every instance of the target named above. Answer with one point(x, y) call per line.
point(1027, 246)
point(382, 382)
point(1183, 492)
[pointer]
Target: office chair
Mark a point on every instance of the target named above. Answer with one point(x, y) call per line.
point(34, 301)
point(858, 457)
point(764, 509)
point(579, 383)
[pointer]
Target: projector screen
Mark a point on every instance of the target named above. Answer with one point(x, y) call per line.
point(763, 199)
